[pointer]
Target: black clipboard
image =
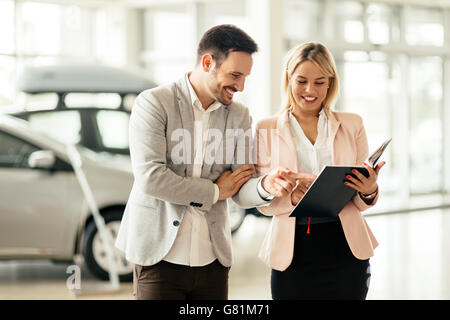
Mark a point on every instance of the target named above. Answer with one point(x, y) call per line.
point(328, 194)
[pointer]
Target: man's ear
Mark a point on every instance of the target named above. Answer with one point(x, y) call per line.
point(207, 62)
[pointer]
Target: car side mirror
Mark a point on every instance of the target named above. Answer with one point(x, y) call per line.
point(42, 159)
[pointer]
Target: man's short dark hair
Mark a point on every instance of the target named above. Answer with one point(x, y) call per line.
point(223, 39)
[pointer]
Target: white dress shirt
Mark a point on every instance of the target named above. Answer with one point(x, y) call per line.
point(192, 245)
point(311, 158)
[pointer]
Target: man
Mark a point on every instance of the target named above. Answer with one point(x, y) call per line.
point(175, 227)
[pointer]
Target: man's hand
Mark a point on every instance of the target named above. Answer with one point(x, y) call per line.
point(230, 182)
point(281, 181)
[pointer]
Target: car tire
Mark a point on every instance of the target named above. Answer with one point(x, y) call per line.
point(95, 255)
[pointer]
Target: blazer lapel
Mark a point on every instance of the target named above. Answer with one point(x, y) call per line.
point(187, 122)
point(333, 126)
point(286, 147)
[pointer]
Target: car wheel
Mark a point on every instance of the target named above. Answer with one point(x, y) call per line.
point(237, 216)
point(94, 252)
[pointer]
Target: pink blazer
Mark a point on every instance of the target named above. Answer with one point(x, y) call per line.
point(275, 147)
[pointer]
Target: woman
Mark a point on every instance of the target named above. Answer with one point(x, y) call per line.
point(317, 258)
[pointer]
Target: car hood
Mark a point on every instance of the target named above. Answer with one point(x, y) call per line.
point(105, 159)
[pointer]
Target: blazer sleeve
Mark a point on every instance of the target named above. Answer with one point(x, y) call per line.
point(362, 151)
point(263, 165)
point(148, 147)
point(247, 196)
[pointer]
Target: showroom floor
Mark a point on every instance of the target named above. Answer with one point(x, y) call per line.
point(412, 262)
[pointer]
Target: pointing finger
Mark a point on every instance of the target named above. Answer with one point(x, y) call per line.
point(301, 176)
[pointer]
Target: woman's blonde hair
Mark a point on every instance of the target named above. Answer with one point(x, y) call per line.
point(318, 54)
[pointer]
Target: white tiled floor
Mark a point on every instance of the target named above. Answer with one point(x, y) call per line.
point(412, 262)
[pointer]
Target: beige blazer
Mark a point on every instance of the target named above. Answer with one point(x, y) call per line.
point(163, 186)
point(275, 147)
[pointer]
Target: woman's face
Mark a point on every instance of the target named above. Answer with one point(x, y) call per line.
point(309, 87)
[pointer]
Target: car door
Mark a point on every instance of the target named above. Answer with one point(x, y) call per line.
point(33, 202)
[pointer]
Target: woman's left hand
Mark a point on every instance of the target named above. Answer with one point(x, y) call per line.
point(362, 184)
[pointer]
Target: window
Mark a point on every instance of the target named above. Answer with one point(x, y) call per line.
point(350, 21)
point(424, 26)
point(37, 33)
point(169, 60)
point(14, 152)
point(6, 27)
point(40, 29)
point(109, 40)
point(7, 80)
point(425, 142)
point(378, 19)
point(366, 93)
point(113, 127)
point(301, 19)
point(64, 126)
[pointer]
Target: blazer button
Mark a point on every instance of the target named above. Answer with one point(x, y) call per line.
point(176, 223)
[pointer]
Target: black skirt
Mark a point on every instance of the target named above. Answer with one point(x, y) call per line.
point(323, 267)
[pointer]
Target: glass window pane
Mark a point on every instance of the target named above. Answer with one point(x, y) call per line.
point(113, 127)
point(7, 26)
point(40, 29)
point(14, 152)
point(77, 30)
point(166, 73)
point(41, 101)
point(424, 26)
point(353, 31)
point(301, 18)
point(349, 17)
point(104, 100)
point(168, 60)
point(7, 80)
point(378, 18)
point(356, 56)
point(64, 126)
point(366, 93)
point(109, 36)
point(425, 124)
point(172, 23)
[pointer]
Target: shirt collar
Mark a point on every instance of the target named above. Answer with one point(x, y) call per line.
point(322, 115)
point(195, 102)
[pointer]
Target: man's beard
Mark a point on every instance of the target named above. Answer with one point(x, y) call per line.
point(219, 93)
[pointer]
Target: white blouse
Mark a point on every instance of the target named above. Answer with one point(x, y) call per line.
point(311, 158)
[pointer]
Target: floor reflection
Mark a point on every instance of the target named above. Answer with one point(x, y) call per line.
point(412, 262)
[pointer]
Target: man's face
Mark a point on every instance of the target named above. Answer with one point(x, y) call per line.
point(229, 77)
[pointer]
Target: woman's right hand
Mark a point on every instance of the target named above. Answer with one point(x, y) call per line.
point(281, 181)
point(301, 189)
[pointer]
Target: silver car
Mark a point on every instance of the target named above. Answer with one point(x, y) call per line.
point(43, 213)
